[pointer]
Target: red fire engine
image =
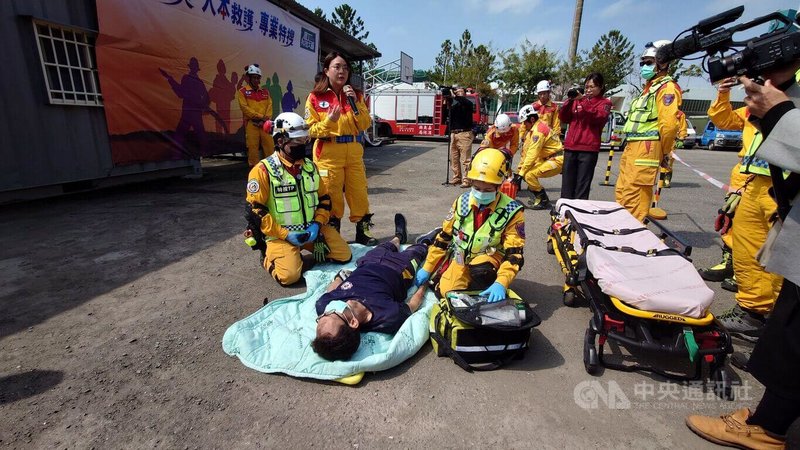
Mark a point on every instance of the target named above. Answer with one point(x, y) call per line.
point(418, 110)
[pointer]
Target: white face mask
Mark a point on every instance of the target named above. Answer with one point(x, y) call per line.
point(483, 198)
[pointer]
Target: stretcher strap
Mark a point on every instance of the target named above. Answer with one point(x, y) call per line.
point(620, 232)
point(593, 212)
point(691, 344)
point(650, 252)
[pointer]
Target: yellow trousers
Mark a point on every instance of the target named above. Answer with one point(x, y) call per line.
point(257, 140)
point(638, 169)
point(546, 169)
point(758, 288)
point(284, 263)
point(456, 276)
point(341, 167)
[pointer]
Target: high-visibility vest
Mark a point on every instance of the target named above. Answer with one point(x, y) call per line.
point(470, 243)
point(642, 122)
point(292, 200)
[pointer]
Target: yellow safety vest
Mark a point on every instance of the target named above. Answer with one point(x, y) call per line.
point(470, 243)
point(642, 122)
point(292, 201)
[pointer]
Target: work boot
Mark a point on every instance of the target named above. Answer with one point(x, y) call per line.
point(740, 360)
point(743, 324)
point(363, 235)
point(400, 228)
point(539, 200)
point(732, 430)
point(336, 223)
point(429, 237)
point(730, 284)
point(724, 269)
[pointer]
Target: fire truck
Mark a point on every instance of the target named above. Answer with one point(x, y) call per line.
point(420, 109)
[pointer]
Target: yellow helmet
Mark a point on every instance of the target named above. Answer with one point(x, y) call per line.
point(489, 165)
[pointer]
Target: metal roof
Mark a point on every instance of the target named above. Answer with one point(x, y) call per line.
point(330, 36)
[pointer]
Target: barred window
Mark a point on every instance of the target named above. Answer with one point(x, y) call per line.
point(69, 65)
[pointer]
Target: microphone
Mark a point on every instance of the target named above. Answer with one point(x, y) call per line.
point(352, 102)
point(678, 49)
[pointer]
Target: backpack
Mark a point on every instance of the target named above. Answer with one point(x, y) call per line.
point(479, 335)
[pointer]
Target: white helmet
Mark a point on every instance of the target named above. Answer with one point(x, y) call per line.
point(503, 123)
point(289, 124)
point(651, 48)
point(526, 112)
point(542, 86)
point(252, 69)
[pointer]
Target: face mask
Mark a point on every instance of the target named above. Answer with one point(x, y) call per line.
point(648, 71)
point(297, 152)
point(483, 198)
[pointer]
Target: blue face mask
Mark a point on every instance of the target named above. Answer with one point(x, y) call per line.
point(483, 198)
point(648, 71)
point(336, 306)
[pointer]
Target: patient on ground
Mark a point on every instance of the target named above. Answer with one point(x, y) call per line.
point(371, 298)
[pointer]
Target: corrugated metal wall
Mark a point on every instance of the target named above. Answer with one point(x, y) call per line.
point(44, 144)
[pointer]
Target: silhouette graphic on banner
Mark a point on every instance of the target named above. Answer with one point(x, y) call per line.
point(222, 93)
point(289, 102)
point(193, 92)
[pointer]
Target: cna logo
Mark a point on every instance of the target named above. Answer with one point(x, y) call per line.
point(308, 40)
point(591, 394)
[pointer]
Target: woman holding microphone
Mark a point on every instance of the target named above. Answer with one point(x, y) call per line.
point(336, 115)
point(586, 115)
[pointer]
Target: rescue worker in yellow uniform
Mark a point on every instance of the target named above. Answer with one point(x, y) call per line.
point(256, 105)
point(338, 150)
point(502, 136)
point(288, 206)
point(548, 110)
point(721, 112)
point(757, 288)
point(682, 133)
point(650, 129)
point(544, 156)
point(481, 241)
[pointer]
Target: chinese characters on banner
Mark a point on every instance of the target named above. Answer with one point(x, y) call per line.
point(169, 71)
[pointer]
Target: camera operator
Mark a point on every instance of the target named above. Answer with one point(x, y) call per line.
point(775, 361)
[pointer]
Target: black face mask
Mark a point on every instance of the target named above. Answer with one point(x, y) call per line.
point(296, 152)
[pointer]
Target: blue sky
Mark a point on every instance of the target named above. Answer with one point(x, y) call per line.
point(418, 27)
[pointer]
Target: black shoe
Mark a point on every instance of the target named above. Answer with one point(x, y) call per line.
point(721, 271)
point(400, 228)
point(729, 284)
point(363, 235)
point(740, 360)
point(539, 201)
point(428, 238)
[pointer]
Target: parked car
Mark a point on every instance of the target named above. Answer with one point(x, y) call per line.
point(513, 115)
point(691, 135)
point(613, 136)
point(716, 139)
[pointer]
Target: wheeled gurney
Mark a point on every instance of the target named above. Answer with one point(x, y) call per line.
point(643, 291)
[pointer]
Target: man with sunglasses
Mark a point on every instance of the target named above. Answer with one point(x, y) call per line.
point(372, 297)
point(651, 129)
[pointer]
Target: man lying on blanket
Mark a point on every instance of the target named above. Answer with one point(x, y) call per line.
point(371, 298)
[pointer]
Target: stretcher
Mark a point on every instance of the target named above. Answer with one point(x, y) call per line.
point(644, 294)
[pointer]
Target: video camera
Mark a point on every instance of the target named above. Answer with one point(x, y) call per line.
point(751, 58)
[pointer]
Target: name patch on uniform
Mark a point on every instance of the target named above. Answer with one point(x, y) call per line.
point(252, 186)
point(324, 104)
point(323, 172)
point(283, 189)
point(668, 99)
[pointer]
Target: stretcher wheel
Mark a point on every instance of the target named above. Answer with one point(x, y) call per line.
point(570, 298)
point(550, 249)
point(591, 360)
point(722, 383)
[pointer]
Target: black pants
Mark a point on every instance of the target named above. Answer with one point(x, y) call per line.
point(577, 174)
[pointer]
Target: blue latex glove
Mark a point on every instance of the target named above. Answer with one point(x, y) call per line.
point(296, 238)
point(313, 231)
point(422, 277)
point(495, 292)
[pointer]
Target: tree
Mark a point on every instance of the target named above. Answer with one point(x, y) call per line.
point(525, 66)
point(465, 64)
point(612, 56)
point(318, 12)
point(444, 64)
point(344, 17)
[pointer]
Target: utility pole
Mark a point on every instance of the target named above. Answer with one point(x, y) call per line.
point(576, 31)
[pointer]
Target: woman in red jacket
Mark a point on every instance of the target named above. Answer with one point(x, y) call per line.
point(586, 115)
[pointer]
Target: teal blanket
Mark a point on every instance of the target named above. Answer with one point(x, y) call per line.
point(277, 337)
